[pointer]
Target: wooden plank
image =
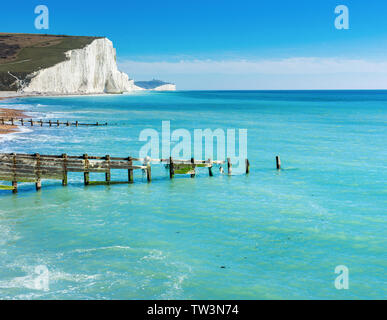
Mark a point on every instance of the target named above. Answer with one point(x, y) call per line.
point(12, 178)
point(71, 166)
point(33, 172)
point(32, 169)
point(59, 169)
point(19, 176)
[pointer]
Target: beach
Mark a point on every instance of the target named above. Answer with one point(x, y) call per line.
point(7, 114)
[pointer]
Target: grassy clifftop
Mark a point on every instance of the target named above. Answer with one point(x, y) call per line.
point(22, 54)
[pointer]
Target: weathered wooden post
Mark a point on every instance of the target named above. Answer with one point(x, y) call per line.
point(22, 121)
point(14, 182)
point(67, 124)
point(64, 181)
point(130, 170)
point(229, 166)
point(148, 172)
point(193, 168)
point(49, 122)
point(86, 174)
point(210, 168)
point(107, 174)
point(57, 123)
point(97, 124)
point(38, 183)
point(12, 121)
point(32, 123)
point(14, 186)
point(171, 169)
point(76, 123)
point(278, 162)
point(2, 121)
point(41, 122)
point(247, 166)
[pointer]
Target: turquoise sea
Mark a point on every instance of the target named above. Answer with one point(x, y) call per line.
point(269, 235)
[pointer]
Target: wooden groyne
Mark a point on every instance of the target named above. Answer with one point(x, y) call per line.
point(50, 123)
point(35, 167)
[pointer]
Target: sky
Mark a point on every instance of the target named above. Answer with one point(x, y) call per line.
point(222, 44)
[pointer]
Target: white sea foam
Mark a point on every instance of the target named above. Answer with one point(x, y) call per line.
point(101, 248)
point(154, 255)
point(14, 135)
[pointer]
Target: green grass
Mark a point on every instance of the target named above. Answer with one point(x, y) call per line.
point(35, 57)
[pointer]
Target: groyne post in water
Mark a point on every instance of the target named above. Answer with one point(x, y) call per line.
point(229, 166)
point(38, 183)
point(148, 172)
point(14, 181)
point(130, 171)
point(107, 173)
point(193, 168)
point(171, 169)
point(278, 162)
point(86, 174)
point(210, 168)
point(64, 180)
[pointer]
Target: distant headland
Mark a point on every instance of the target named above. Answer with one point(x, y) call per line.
point(156, 85)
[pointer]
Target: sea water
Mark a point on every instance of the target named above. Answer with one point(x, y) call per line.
point(267, 235)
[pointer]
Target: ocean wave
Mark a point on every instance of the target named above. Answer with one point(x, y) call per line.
point(14, 135)
point(101, 248)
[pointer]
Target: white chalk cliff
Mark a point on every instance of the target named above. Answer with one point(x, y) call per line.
point(90, 70)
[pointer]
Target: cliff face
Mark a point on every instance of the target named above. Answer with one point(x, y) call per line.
point(92, 69)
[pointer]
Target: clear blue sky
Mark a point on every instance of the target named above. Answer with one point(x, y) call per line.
point(227, 44)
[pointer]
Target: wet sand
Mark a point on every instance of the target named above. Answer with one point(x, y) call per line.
point(10, 113)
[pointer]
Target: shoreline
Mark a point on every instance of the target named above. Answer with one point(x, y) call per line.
point(5, 95)
point(14, 113)
point(10, 113)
